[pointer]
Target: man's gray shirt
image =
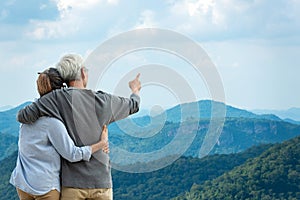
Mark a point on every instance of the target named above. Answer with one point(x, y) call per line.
point(84, 112)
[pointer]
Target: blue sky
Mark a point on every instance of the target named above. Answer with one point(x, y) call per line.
point(255, 44)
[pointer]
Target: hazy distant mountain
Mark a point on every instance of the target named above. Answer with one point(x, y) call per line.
point(289, 114)
point(141, 113)
point(4, 108)
point(202, 110)
point(8, 144)
point(205, 108)
point(9, 131)
point(8, 123)
point(292, 121)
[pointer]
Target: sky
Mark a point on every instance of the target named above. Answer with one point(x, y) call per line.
point(254, 45)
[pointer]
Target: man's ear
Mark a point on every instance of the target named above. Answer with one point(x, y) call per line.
point(83, 75)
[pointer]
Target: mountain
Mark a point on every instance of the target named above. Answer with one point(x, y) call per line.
point(4, 108)
point(8, 124)
point(161, 184)
point(238, 134)
point(205, 109)
point(8, 145)
point(241, 130)
point(7, 191)
point(292, 121)
point(272, 175)
point(290, 114)
point(259, 171)
point(141, 113)
point(206, 106)
point(9, 131)
point(178, 177)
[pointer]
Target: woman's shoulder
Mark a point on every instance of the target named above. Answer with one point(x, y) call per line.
point(49, 121)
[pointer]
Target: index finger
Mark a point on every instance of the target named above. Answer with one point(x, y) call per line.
point(138, 76)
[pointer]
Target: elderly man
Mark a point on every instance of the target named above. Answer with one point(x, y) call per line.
point(84, 112)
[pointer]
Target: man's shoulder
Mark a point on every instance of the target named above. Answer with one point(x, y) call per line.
point(100, 92)
point(60, 92)
point(71, 92)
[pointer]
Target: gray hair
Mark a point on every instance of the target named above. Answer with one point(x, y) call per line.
point(69, 67)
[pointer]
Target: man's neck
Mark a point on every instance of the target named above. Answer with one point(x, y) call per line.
point(76, 84)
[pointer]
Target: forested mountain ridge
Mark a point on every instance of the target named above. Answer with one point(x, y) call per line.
point(9, 131)
point(8, 145)
point(7, 191)
point(238, 134)
point(161, 184)
point(261, 172)
point(8, 123)
point(241, 130)
point(275, 174)
point(178, 177)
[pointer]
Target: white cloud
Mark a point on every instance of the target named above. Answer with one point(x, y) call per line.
point(40, 30)
point(75, 17)
point(4, 14)
point(146, 19)
point(113, 2)
point(218, 19)
point(246, 34)
point(12, 62)
point(195, 8)
point(18, 60)
point(193, 16)
point(68, 23)
point(205, 19)
point(10, 2)
point(225, 19)
point(66, 5)
point(43, 6)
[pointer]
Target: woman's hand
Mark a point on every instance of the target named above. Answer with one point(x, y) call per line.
point(103, 143)
point(104, 138)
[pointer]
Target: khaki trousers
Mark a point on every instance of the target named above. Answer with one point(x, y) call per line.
point(83, 194)
point(52, 195)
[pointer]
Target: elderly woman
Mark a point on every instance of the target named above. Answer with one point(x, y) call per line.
point(37, 172)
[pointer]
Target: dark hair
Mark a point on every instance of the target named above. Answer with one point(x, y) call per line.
point(49, 80)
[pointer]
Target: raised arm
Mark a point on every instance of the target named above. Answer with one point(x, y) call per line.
point(123, 107)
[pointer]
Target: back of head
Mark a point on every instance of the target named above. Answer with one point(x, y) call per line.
point(49, 80)
point(69, 67)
